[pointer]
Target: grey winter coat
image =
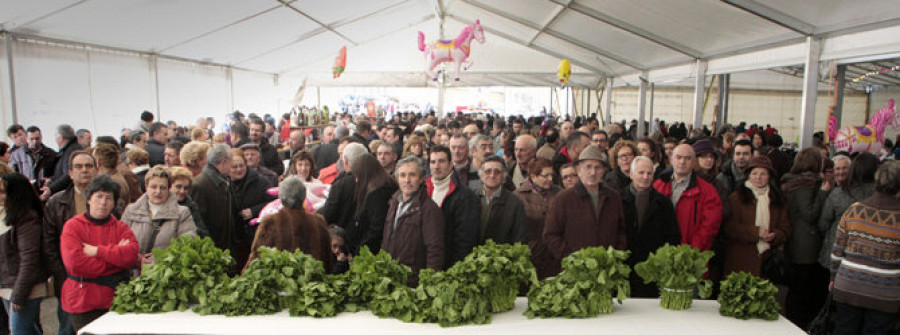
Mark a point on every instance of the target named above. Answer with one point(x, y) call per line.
point(172, 220)
point(832, 211)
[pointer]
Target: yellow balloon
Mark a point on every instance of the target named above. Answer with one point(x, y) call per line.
point(565, 70)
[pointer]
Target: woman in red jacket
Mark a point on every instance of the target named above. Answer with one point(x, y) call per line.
point(98, 252)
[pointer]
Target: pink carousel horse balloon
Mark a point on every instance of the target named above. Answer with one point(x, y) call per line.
point(455, 50)
point(868, 138)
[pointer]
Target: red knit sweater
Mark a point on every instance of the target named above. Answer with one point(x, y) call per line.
point(81, 297)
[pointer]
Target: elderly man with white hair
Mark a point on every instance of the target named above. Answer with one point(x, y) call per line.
point(212, 193)
point(340, 206)
point(525, 150)
point(649, 222)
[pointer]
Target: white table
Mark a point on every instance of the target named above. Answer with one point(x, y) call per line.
point(635, 316)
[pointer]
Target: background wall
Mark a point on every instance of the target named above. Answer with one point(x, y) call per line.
point(779, 108)
point(105, 90)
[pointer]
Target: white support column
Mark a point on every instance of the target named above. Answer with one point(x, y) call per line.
point(154, 66)
point(440, 102)
point(810, 90)
point(12, 79)
point(229, 76)
point(608, 104)
point(699, 93)
point(650, 113)
point(642, 104)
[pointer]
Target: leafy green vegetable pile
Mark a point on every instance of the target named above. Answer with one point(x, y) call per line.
point(370, 275)
point(745, 296)
point(486, 281)
point(677, 270)
point(274, 281)
point(183, 274)
point(584, 288)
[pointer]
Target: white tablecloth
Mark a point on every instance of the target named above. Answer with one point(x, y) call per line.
point(635, 316)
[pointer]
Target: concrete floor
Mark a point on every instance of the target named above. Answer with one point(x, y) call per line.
point(49, 322)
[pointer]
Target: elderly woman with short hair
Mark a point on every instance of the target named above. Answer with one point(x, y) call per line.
point(156, 218)
point(293, 228)
point(182, 179)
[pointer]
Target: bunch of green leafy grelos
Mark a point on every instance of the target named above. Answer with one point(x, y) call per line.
point(271, 282)
point(498, 271)
point(746, 296)
point(677, 270)
point(467, 293)
point(182, 275)
point(320, 298)
point(585, 287)
point(371, 274)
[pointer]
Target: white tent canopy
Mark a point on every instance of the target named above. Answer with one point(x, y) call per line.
point(186, 59)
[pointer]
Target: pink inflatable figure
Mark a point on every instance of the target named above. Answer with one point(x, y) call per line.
point(316, 193)
point(868, 138)
point(455, 50)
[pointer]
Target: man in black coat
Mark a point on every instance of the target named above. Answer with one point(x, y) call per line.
point(212, 193)
point(340, 206)
point(268, 153)
point(462, 211)
point(649, 222)
point(156, 145)
point(326, 153)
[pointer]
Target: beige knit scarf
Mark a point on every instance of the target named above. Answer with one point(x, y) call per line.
point(762, 212)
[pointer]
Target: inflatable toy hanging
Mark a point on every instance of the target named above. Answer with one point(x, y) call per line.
point(868, 138)
point(564, 71)
point(455, 50)
point(340, 63)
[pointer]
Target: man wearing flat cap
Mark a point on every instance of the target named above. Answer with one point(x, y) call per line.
point(589, 214)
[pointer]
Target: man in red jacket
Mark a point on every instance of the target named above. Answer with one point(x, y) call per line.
point(698, 208)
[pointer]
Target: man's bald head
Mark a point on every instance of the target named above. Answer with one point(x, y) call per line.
point(526, 147)
point(527, 140)
point(298, 140)
point(683, 159)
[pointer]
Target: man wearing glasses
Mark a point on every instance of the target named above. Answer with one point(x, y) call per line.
point(502, 212)
point(600, 139)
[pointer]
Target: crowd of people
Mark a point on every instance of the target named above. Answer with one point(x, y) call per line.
point(427, 189)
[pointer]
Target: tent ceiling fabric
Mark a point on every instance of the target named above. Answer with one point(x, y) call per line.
point(525, 39)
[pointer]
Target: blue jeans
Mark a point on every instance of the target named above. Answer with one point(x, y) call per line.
point(25, 321)
point(65, 321)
